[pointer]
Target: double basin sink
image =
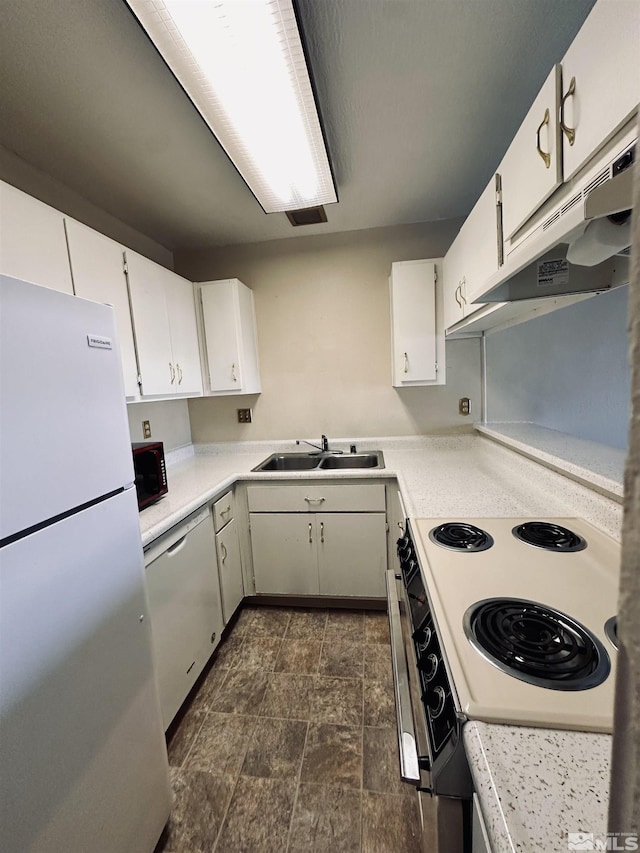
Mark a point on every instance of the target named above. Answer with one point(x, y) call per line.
point(321, 461)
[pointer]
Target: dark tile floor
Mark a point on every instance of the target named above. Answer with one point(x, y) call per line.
point(289, 745)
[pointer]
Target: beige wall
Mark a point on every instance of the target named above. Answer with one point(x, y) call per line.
point(169, 421)
point(322, 308)
point(27, 178)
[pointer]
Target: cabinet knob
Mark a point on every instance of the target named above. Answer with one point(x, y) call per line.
point(213, 637)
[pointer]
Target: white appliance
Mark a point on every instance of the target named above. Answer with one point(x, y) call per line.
point(579, 581)
point(82, 752)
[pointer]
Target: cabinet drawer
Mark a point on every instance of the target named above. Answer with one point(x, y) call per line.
point(223, 510)
point(316, 497)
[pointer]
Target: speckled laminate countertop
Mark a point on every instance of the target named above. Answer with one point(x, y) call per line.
point(534, 785)
point(538, 785)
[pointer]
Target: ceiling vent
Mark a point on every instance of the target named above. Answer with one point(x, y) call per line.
point(307, 216)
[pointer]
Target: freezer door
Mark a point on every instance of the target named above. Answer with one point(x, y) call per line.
point(64, 434)
point(82, 749)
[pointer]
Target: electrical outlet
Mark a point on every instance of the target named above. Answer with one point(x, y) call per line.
point(146, 429)
point(464, 406)
point(244, 416)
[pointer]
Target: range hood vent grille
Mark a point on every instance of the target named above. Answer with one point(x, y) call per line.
point(600, 179)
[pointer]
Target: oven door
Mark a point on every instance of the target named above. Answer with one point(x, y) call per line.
point(442, 818)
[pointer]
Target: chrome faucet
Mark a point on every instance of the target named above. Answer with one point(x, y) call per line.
point(323, 447)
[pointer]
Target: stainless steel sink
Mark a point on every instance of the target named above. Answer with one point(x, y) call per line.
point(289, 462)
point(320, 461)
point(354, 460)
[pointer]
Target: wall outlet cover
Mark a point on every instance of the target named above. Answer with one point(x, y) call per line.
point(244, 416)
point(146, 429)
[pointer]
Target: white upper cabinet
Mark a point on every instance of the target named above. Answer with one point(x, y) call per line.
point(472, 258)
point(230, 337)
point(165, 328)
point(414, 354)
point(97, 266)
point(32, 241)
point(532, 167)
point(600, 80)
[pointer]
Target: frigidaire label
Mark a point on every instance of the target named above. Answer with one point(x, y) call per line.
point(553, 273)
point(99, 341)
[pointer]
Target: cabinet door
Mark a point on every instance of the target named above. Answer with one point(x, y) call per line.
point(32, 241)
point(98, 274)
point(184, 334)
point(230, 569)
point(452, 274)
point(413, 322)
point(352, 553)
point(532, 167)
point(220, 317)
point(603, 63)
point(151, 325)
point(285, 556)
point(479, 237)
point(186, 615)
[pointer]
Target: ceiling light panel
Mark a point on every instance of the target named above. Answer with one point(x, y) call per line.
point(242, 64)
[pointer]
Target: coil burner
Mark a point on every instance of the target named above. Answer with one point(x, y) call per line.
point(459, 536)
point(536, 644)
point(551, 537)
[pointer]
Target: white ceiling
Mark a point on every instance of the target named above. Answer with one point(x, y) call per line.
point(419, 99)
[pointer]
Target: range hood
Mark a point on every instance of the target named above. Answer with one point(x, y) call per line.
point(579, 242)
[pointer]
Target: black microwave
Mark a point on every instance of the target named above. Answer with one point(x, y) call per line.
point(150, 471)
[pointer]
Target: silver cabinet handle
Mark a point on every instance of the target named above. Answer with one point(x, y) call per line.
point(310, 533)
point(315, 500)
point(322, 531)
point(172, 373)
point(233, 372)
point(456, 295)
point(546, 157)
point(225, 511)
point(569, 132)
point(224, 551)
point(406, 363)
point(409, 766)
point(179, 369)
point(463, 283)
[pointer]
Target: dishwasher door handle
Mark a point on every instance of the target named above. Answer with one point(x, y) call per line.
point(409, 764)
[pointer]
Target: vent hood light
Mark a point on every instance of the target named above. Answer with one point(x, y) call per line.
point(242, 64)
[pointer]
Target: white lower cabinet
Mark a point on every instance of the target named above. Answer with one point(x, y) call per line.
point(285, 557)
point(338, 554)
point(352, 553)
point(185, 607)
point(229, 568)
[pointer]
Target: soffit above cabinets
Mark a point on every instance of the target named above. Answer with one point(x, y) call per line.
point(419, 99)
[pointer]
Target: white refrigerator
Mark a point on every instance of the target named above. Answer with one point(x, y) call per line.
point(83, 761)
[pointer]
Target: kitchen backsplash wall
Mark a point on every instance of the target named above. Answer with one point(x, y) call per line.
point(169, 422)
point(322, 310)
point(568, 370)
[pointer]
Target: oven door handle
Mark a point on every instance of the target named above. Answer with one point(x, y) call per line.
point(409, 764)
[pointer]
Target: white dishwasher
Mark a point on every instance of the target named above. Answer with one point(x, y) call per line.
point(185, 607)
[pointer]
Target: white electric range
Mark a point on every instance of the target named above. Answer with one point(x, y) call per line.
point(521, 607)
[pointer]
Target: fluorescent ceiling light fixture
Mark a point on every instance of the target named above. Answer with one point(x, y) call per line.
point(242, 64)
